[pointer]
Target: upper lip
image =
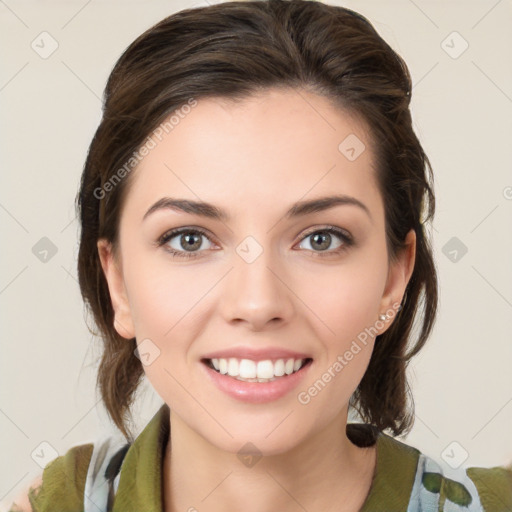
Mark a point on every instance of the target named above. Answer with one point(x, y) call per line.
point(256, 354)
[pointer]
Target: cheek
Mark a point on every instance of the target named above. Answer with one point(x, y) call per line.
point(346, 299)
point(163, 295)
point(165, 302)
point(345, 311)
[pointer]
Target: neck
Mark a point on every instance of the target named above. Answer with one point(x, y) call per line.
point(327, 472)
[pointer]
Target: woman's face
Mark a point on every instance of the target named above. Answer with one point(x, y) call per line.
point(261, 285)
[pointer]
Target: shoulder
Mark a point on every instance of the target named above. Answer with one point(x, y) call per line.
point(472, 489)
point(61, 485)
point(494, 486)
point(411, 480)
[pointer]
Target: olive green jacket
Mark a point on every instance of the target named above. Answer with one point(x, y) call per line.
point(89, 476)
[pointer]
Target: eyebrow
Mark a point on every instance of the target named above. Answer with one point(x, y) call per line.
point(211, 211)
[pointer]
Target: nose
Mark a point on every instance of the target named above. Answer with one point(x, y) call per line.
point(256, 293)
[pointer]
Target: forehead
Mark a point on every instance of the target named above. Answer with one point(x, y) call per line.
point(264, 152)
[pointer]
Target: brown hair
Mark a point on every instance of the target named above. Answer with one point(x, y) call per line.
point(231, 50)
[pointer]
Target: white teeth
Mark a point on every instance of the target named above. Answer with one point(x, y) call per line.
point(279, 368)
point(265, 369)
point(256, 371)
point(247, 369)
point(232, 367)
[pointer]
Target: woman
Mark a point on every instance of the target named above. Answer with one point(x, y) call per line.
point(253, 210)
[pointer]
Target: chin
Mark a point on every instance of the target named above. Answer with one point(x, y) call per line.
point(264, 437)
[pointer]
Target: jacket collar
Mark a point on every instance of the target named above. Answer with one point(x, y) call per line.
point(140, 484)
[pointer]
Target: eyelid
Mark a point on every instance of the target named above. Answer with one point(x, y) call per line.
point(327, 227)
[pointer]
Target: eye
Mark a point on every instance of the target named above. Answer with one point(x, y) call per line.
point(186, 238)
point(322, 238)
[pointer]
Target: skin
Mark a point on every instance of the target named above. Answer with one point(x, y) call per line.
point(255, 159)
point(22, 503)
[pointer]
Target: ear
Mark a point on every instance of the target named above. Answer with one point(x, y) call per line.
point(399, 273)
point(123, 322)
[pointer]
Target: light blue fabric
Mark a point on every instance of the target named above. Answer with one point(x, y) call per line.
point(96, 485)
point(423, 500)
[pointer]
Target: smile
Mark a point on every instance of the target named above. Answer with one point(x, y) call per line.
point(248, 370)
point(256, 382)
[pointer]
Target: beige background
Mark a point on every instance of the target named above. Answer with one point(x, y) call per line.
point(462, 381)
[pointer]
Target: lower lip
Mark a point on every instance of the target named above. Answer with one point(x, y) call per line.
point(256, 392)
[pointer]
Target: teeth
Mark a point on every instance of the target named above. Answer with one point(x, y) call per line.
point(256, 371)
point(247, 369)
point(279, 368)
point(265, 370)
point(232, 367)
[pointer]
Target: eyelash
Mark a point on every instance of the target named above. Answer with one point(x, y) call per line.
point(345, 237)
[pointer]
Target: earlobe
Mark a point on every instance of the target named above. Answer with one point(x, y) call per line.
point(123, 323)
